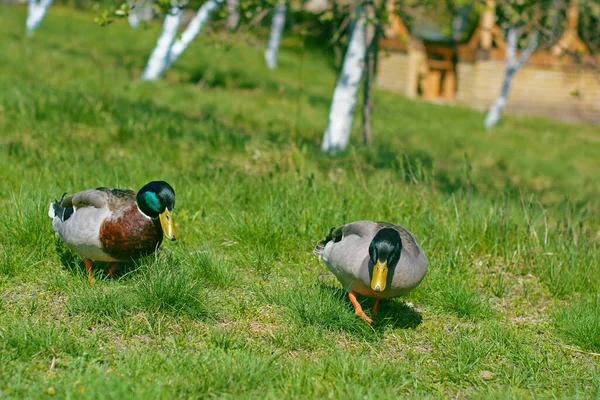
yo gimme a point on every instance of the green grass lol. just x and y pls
(239, 306)
(580, 323)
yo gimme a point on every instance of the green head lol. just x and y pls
(384, 251)
(157, 200)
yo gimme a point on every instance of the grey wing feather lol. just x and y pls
(359, 228)
(334, 234)
(118, 198)
(101, 197)
(86, 198)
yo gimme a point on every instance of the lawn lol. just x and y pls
(239, 306)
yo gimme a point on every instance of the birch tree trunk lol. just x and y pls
(35, 13)
(337, 134)
(159, 58)
(275, 35)
(370, 60)
(192, 30)
(233, 14)
(512, 67)
(134, 13)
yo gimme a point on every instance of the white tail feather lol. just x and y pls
(51, 213)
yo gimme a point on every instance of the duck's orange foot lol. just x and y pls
(375, 308)
(364, 317)
(357, 308)
(110, 270)
(88, 267)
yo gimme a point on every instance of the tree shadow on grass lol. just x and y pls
(130, 59)
(213, 77)
(240, 79)
(415, 167)
(412, 167)
(135, 119)
(449, 177)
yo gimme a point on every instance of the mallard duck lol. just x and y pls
(114, 225)
(375, 259)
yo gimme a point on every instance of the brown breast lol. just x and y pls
(130, 235)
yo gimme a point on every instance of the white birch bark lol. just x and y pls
(233, 14)
(134, 13)
(512, 67)
(371, 35)
(192, 30)
(35, 13)
(341, 114)
(159, 58)
(275, 35)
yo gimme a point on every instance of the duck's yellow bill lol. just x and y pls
(380, 271)
(166, 221)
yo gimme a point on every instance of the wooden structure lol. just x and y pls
(425, 69)
(552, 82)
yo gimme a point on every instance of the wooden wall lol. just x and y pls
(569, 92)
(565, 91)
(393, 71)
(400, 69)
